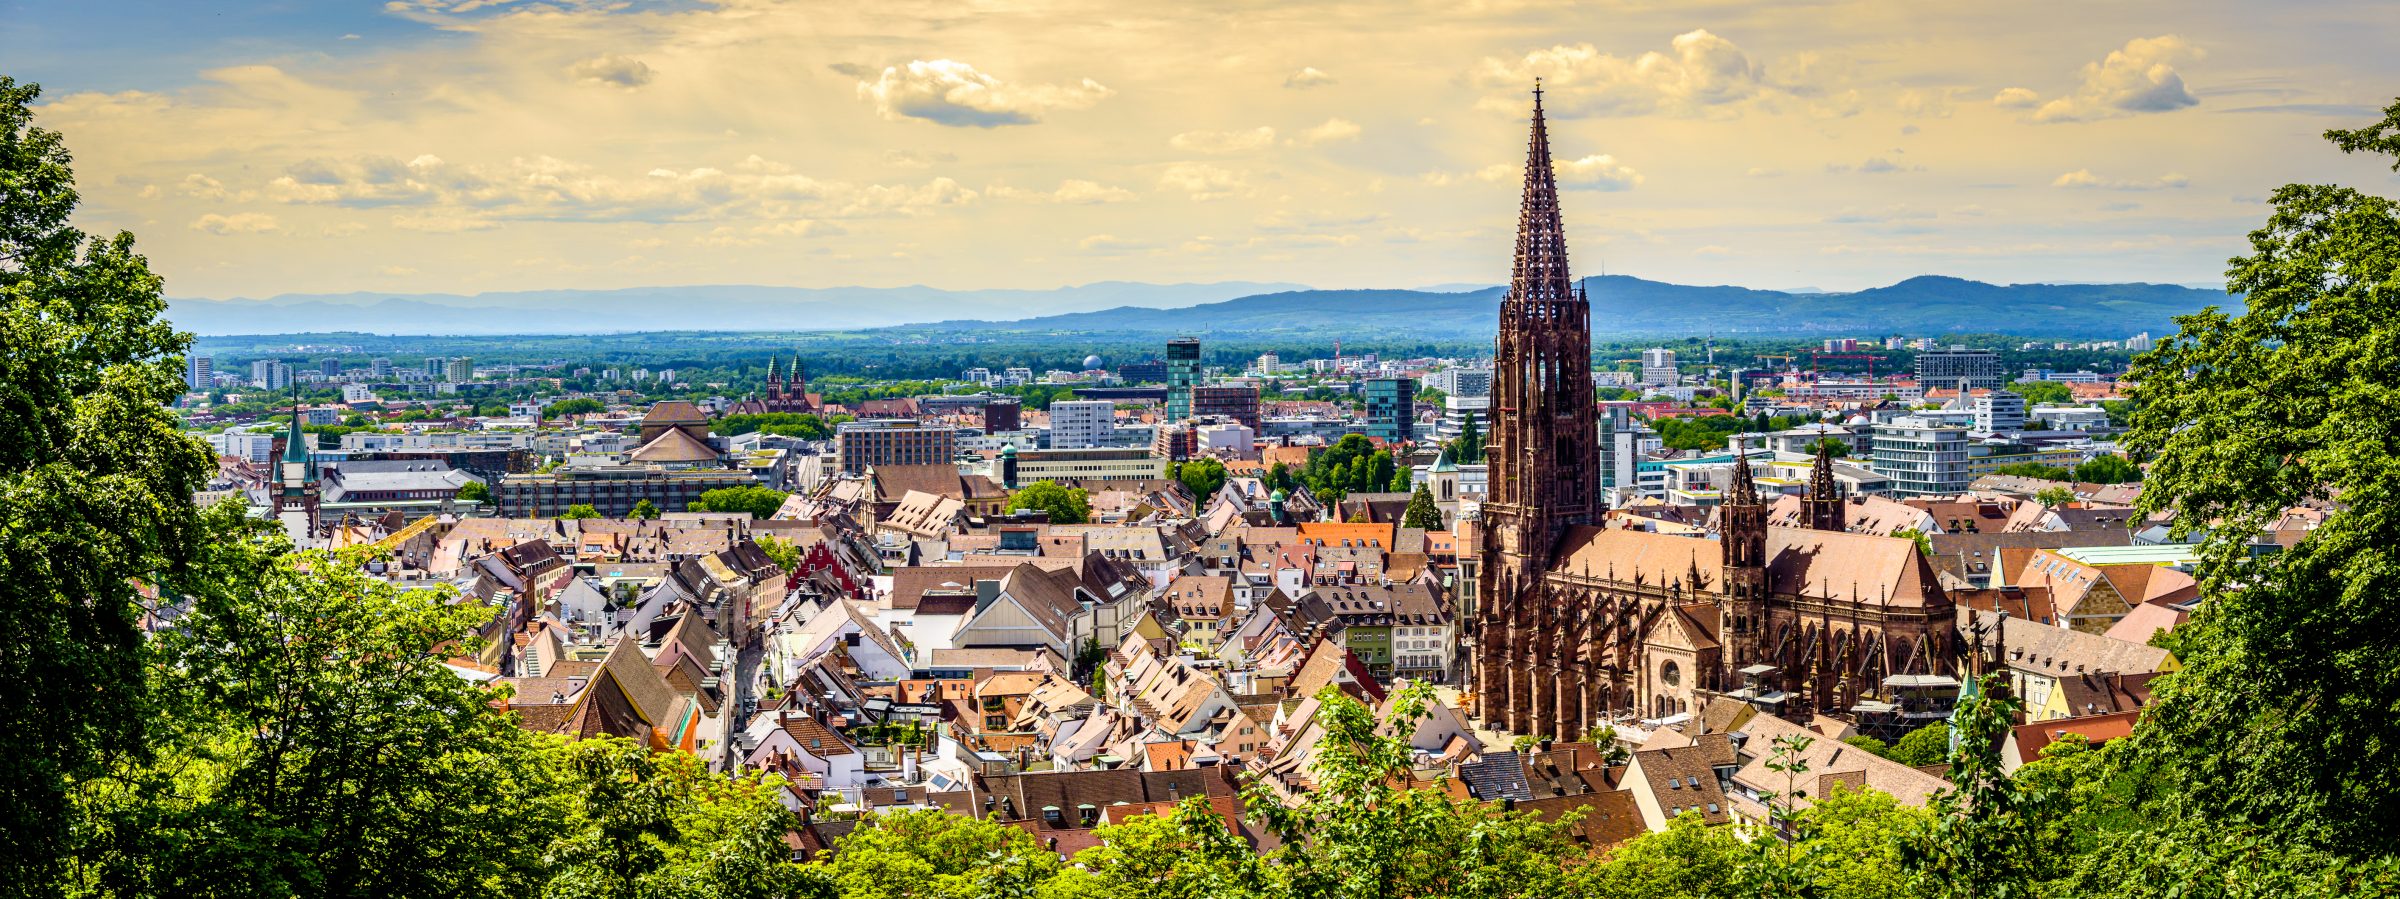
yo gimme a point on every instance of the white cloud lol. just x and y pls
(1077, 190)
(949, 92)
(2085, 180)
(620, 71)
(1110, 243)
(1924, 103)
(547, 189)
(1224, 141)
(2016, 98)
(442, 224)
(1335, 129)
(1307, 77)
(1601, 172)
(1701, 71)
(237, 223)
(2137, 79)
(1201, 180)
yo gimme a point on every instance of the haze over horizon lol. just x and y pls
(470, 146)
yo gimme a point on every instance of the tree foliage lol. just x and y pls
(580, 511)
(1467, 447)
(1422, 512)
(582, 405)
(98, 484)
(756, 500)
(1066, 505)
(1203, 476)
(644, 509)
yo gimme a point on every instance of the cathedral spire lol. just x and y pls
(1743, 491)
(1825, 511)
(1541, 273)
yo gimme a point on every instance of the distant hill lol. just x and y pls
(702, 307)
(1633, 306)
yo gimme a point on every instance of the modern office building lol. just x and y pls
(199, 373)
(1624, 441)
(1003, 415)
(1392, 409)
(380, 369)
(269, 374)
(1946, 368)
(1183, 374)
(2000, 411)
(1921, 456)
(1465, 392)
(1658, 368)
(611, 489)
(1108, 463)
(1235, 401)
(433, 366)
(459, 370)
(1082, 424)
(329, 367)
(887, 442)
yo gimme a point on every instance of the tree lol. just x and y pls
(1982, 843)
(926, 854)
(582, 405)
(580, 511)
(1066, 505)
(1834, 447)
(1856, 839)
(1688, 860)
(2273, 729)
(758, 501)
(785, 555)
(1467, 447)
(1928, 745)
(1203, 476)
(2109, 469)
(2054, 497)
(315, 742)
(1924, 542)
(661, 825)
(1422, 513)
(98, 481)
(2043, 393)
(2035, 470)
(645, 509)
(474, 492)
(1869, 744)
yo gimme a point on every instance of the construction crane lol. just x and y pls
(1815, 358)
(1789, 362)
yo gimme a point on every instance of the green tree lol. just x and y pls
(2054, 497)
(1981, 844)
(1869, 744)
(661, 825)
(1856, 840)
(1467, 447)
(2035, 470)
(1924, 542)
(2044, 393)
(2275, 731)
(758, 501)
(313, 741)
(1422, 513)
(1928, 745)
(98, 483)
(926, 854)
(645, 509)
(786, 556)
(1831, 446)
(580, 511)
(582, 405)
(1688, 860)
(2109, 469)
(1066, 505)
(1203, 476)
(474, 492)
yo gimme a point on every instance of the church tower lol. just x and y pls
(1823, 508)
(1543, 456)
(1742, 537)
(296, 484)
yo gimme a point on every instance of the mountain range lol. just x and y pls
(1621, 305)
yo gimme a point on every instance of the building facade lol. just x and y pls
(1921, 456)
(1235, 401)
(1183, 374)
(1946, 368)
(1392, 409)
(1082, 424)
(858, 444)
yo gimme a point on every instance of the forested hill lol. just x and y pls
(1626, 305)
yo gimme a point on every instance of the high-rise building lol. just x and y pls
(459, 370)
(1921, 456)
(1081, 424)
(1183, 374)
(1945, 368)
(330, 367)
(892, 441)
(1658, 368)
(380, 369)
(199, 373)
(434, 366)
(2000, 411)
(1235, 401)
(1269, 364)
(269, 374)
(1003, 415)
(1466, 393)
(1392, 409)
(1147, 372)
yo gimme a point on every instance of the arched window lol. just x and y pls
(1669, 674)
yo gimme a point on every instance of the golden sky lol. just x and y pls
(473, 145)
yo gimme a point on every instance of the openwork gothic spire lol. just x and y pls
(1541, 274)
(1744, 491)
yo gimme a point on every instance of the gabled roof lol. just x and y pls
(675, 445)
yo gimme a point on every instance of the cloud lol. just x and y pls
(1597, 173)
(1110, 243)
(1924, 103)
(2016, 98)
(1307, 77)
(237, 223)
(1333, 131)
(621, 71)
(441, 224)
(800, 228)
(543, 188)
(949, 92)
(2137, 79)
(1701, 71)
(1874, 165)
(2083, 179)
(1072, 191)
(1201, 181)
(1877, 165)
(1224, 141)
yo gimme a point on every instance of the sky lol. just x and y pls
(258, 148)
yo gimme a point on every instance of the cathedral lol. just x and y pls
(1579, 624)
(780, 395)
